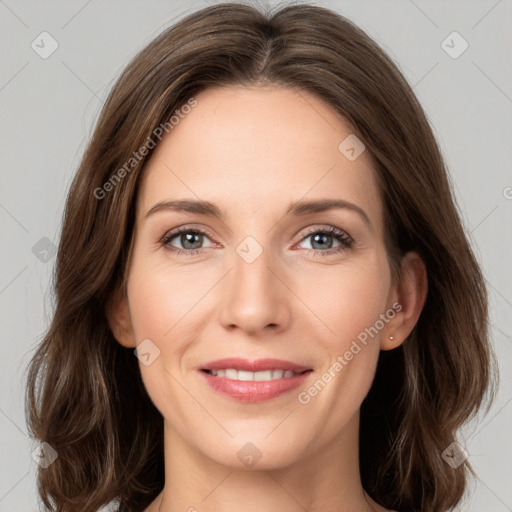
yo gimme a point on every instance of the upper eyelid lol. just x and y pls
(176, 231)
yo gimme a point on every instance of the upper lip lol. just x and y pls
(254, 365)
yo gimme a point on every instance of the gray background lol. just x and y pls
(48, 108)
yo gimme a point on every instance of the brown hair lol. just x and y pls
(85, 396)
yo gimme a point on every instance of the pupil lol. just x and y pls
(188, 238)
(319, 235)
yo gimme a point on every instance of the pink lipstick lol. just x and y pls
(253, 381)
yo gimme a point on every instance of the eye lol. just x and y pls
(191, 241)
(322, 240)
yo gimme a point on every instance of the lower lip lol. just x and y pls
(254, 391)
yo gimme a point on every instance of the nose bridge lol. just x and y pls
(251, 265)
(254, 295)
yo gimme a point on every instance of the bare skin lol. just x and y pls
(252, 152)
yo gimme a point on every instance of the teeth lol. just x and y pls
(229, 374)
(232, 373)
(266, 375)
(243, 375)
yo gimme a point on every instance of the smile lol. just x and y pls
(253, 381)
(246, 376)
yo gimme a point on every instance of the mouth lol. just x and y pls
(254, 381)
(261, 376)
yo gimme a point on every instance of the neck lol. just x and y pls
(325, 478)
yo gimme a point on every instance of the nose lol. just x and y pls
(256, 296)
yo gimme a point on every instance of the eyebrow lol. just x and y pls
(297, 208)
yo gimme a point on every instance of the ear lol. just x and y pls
(119, 319)
(410, 293)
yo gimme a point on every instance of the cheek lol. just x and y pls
(167, 305)
(346, 306)
(161, 308)
(164, 299)
(345, 301)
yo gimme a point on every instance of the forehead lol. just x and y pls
(248, 148)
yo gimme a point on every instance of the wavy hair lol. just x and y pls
(85, 396)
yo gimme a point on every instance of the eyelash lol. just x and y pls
(341, 236)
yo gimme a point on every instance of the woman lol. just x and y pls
(325, 335)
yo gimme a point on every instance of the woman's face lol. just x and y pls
(311, 287)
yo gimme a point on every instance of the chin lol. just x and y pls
(253, 453)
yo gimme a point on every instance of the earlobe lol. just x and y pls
(119, 320)
(410, 293)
